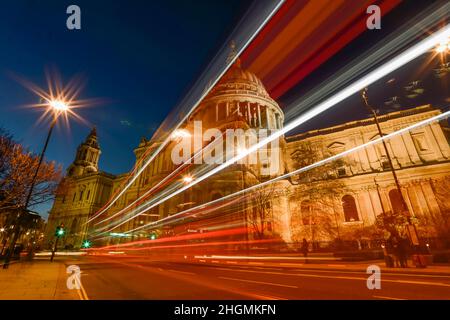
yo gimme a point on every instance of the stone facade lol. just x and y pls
(83, 191)
(367, 188)
(362, 187)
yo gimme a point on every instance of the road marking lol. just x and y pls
(416, 275)
(260, 282)
(353, 271)
(232, 262)
(422, 282)
(81, 292)
(266, 297)
(256, 263)
(214, 261)
(388, 298)
(358, 271)
(336, 265)
(185, 272)
(340, 277)
(266, 258)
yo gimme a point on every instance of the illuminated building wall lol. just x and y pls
(328, 202)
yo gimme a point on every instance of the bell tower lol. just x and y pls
(86, 159)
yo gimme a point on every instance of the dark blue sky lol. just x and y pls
(141, 56)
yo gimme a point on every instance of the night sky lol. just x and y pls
(140, 57)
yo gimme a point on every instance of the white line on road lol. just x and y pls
(260, 282)
(81, 292)
(266, 297)
(388, 298)
(440, 284)
(265, 258)
(357, 271)
(185, 272)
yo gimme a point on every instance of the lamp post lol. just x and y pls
(57, 107)
(444, 67)
(411, 227)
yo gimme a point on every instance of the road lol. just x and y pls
(138, 278)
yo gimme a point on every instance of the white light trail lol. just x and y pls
(300, 170)
(400, 60)
(213, 83)
(155, 187)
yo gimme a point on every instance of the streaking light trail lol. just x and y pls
(205, 93)
(300, 170)
(400, 60)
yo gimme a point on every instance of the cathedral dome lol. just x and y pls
(237, 81)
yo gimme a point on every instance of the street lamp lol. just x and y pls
(444, 46)
(188, 179)
(56, 107)
(412, 229)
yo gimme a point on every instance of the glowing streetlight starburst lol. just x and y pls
(58, 105)
(444, 46)
(58, 101)
(188, 179)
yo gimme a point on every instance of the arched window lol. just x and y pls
(396, 201)
(306, 211)
(350, 210)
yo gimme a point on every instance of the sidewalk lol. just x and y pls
(35, 280)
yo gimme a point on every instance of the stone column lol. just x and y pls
(362, 154)
(434, 143)
(401, 152)
(217, 112)
(259, 124)
(430, 198)
(268, 117)
(409, 144)
(441, 139)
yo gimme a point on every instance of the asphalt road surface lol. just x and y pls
(140, 278)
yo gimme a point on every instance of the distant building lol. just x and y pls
(352, 191)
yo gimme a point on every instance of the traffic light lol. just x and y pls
(60, 231)
(86, 244)
(153, 236)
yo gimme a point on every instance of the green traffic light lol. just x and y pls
(61, 232)
(152, 236)
(86, 244)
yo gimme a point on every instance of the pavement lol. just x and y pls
(141, 278)
(36, 280)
